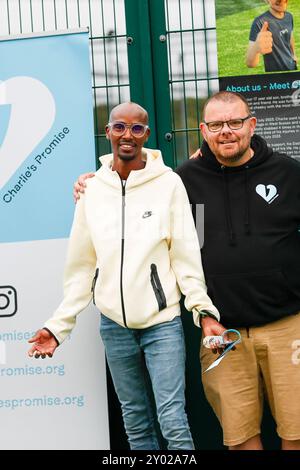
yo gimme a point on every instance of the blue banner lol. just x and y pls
(46, 133)
(46, 141)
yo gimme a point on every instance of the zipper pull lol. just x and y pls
(95, 280)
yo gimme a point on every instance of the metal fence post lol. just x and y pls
(140, 60)
(159, 40)
(148, 69)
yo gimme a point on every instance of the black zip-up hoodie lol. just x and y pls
(251, 251)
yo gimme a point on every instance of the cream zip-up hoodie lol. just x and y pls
(133, 247)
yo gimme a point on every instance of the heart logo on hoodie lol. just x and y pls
(268, 193)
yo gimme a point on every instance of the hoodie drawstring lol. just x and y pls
(232, 235)
(247, 204)
(227, 207)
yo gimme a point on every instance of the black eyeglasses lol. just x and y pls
(233, 124)
(136, 129)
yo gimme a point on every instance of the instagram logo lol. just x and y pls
(8, 301)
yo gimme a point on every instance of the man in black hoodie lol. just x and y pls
(251, 260)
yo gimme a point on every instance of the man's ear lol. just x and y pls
(148, 132)
(107, 132)
(253, 122)
(203, 129)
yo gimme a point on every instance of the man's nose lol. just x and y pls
(225, 129)
(127, 133)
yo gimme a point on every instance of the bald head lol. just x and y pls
(128, 131)
(129, 109)
(230, 143)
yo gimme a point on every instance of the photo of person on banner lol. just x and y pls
(257, 37)
(271, 36)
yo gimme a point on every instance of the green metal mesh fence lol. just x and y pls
(106, 22)
(191, 44)
(192, 55)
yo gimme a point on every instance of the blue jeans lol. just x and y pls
(160, 351)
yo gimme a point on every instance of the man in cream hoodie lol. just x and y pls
(133, 250)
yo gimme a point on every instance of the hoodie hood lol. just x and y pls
(154, 168)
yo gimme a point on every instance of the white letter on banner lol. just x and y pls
(32, 115)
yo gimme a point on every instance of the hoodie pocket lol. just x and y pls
(94, 284)
(250, 298)
(157, 288)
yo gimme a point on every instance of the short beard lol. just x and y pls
(234, 158)
(126, 158)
